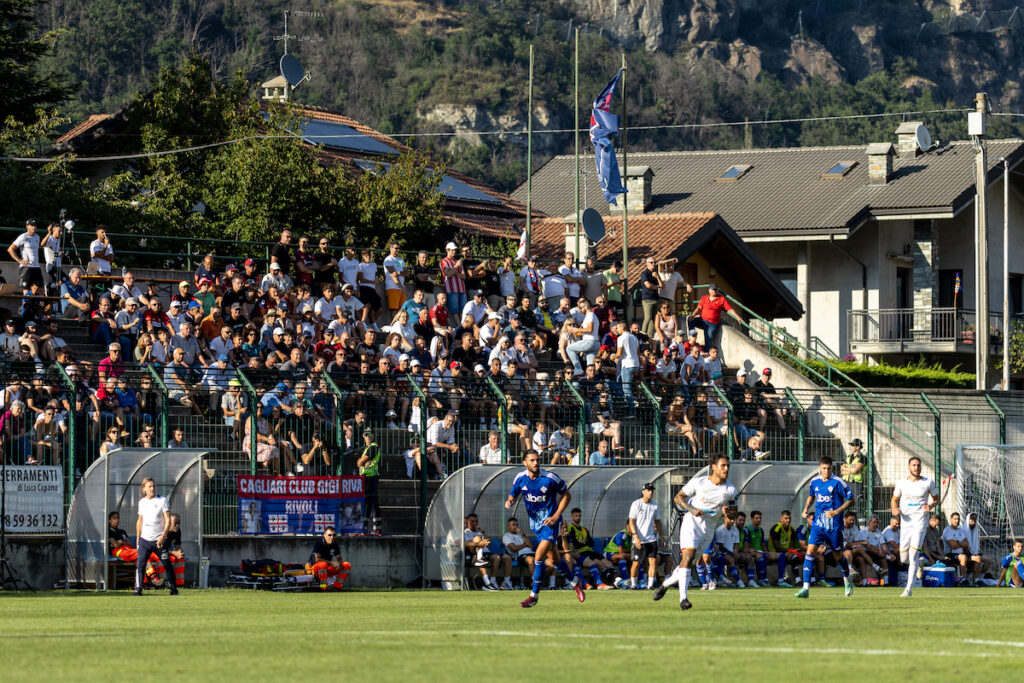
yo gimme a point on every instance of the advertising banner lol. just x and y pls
(35, 500)
(300, 505)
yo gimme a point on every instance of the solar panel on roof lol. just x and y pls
(340, 136)
(456, 189)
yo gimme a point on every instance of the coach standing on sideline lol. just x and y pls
(645, 526)
(151, 531)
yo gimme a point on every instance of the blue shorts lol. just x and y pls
(609, 556)
(548, 533)
(833, 538)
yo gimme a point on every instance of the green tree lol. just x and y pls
(26, 89)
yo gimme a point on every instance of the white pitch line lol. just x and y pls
(441, 633)
(1000, 643)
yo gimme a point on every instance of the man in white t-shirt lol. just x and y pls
(553, 285)
(912, 501)
(101, 252)
(519, 547)
(561, 445)
(712, 364)
(394, 280)
(572, 276)
(490, 452)
(349, 267)
(589, 337)
(670, 278)
(151, 531)
(25, 251)
(645, 527)
(476, 307)
(441, 435)
(956, 545)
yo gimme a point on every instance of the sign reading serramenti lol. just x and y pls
(35, 500)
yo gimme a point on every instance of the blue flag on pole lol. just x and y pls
(603, 124)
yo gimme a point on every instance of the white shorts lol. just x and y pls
(912, 535)
(695, 532)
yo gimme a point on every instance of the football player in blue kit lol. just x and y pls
(545, 496)
(831, 497)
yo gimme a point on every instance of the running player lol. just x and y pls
(706, 500)
(912, 500)
(831, 497)
(546, 496)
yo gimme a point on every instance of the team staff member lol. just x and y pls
(174, 551)
(325, 561)
(852, 471)
(369, 467)
(151, 529)
(645, 527)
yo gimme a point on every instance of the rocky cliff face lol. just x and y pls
(958, 49)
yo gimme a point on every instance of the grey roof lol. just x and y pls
(784, 191)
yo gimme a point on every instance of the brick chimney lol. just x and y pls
(879, 163)
(638, 182)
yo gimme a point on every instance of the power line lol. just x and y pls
(556, 131)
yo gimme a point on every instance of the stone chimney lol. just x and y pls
(638, 182)
(879, 162)
(275, 89)
(907, 141)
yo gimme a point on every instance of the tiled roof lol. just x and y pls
(680, 236)
(657, 235)
(83, 127)
(784, 190)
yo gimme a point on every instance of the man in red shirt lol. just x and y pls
(707, 315)
(439, 316)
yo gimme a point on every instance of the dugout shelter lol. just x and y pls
(604, 494)
(114, 483)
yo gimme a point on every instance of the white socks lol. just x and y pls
(672, 578)
(684, 583)
(911, 568)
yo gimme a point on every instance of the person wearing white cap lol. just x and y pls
(476, 307)
(277, 277)
(129, 321)
(454, 278)
(175, 316)
(491, 332)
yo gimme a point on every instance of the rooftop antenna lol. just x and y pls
(291, 68)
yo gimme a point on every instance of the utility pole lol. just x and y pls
(529, 159)
(976, 129)
(576, 138)
(1006, 274)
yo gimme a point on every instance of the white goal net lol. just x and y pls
(990, 482)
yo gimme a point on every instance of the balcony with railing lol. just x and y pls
(920, 330)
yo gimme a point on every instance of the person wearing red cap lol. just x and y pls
(708, 314)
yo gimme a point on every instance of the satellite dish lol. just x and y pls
(924, 138)
(593, 225)
(291, 69)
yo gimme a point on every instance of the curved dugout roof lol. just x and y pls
(770, 487)
(113, 483)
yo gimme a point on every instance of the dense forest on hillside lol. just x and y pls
(452, 68)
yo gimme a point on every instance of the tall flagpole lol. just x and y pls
(625, 202)
(529, 157)
(576, 130)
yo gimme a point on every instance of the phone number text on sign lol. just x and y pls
(35, 499)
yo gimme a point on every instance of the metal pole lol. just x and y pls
(576, 138)
(981, 250)
(529, 157)
(627, 299)
(1006, 274)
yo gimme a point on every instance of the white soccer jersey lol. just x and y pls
(702, 493)
(913, 495)
(727, 537)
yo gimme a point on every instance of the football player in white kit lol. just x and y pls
(912, 500)
(706, 500)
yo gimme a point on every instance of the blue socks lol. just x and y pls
(623, 570)
(702, 574)
(844, 566)
(563, 568)
(808, 569)
(783, 558)
(734, 573)
(538, 577)
(595, 575)
(761, 562)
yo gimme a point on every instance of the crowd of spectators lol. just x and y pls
(460, 327)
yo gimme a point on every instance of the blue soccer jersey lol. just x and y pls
(540, 495)
(829, 495)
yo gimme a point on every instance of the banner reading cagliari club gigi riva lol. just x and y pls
(300, 505)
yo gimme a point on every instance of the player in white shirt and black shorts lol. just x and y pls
(151, 531)
(645, 526)
(912, 500)
(706, 500)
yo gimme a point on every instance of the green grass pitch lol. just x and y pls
(750, 635)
